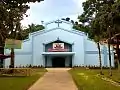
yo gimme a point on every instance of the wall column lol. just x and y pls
(67, 61)
(72, 55)
(43, 57)
(49, 61)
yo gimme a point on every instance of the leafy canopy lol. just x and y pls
(102, 18)
(32, 28)
(11, 13)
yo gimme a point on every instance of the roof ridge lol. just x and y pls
(68, 22)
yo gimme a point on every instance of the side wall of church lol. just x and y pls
(92, 57)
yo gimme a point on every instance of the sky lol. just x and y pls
(49, 10)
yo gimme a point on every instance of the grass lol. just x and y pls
(88, 80)
(115, 76)
(20, 83)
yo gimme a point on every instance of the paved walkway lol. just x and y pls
(55, 79)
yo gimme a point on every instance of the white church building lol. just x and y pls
(59, 45)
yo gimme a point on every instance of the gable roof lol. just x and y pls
(67, 22)
(45, 31)
(74, 31)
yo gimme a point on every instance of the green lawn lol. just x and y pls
(20, 83)
(115, 76)
(88, 80)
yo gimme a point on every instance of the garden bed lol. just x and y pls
(15, 71)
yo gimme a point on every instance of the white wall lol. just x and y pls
(93, 59)
(91, 56)
(20, 60)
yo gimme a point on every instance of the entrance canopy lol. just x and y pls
(58, 53)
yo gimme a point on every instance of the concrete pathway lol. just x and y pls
(55, 79)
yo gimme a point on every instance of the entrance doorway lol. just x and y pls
(58, 62)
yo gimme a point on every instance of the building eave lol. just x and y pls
(58, 53)
(67, 22)
(45, 31)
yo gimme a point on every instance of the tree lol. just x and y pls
(90, 9)
(108, 20)
(11, 13)
(24, 34)
(93, 36)
(104, 13)
(34, 28)
(90, 16)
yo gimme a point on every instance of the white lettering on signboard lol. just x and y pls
(58, 45)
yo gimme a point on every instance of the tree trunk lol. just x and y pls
(12, 58)
(1, 60)
(100, 61)
(1, 52)
(109, 56)
(118, 55)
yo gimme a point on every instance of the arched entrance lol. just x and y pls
(58, 62)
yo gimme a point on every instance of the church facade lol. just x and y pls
(59, 45)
